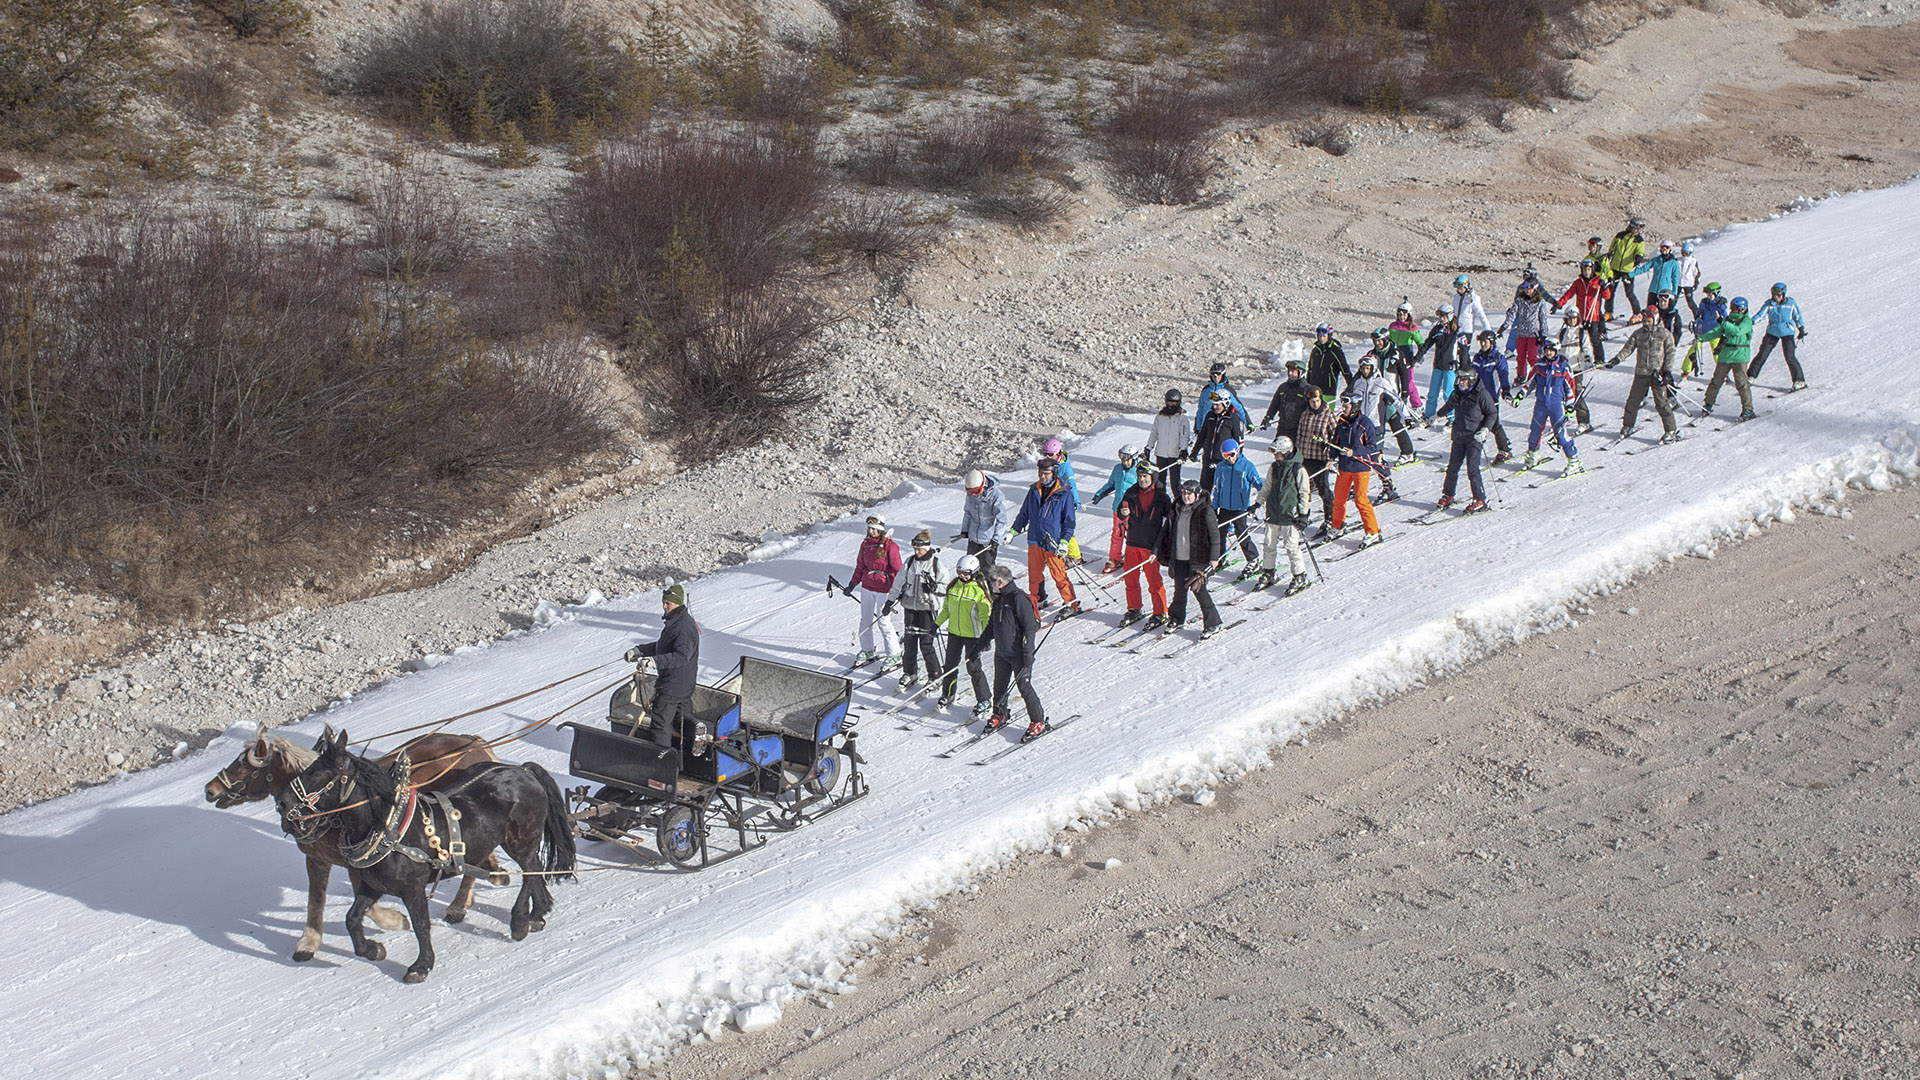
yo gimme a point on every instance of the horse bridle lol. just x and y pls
(296, 820)
(230, 787)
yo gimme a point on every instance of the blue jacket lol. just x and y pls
(1782, 317)
(1066, 477)
(1234, 483)
(1359, 441)
(1118, 484)
(1492, 366)
(1047, 517)
(1206, 405)
(1666, 274)
(1712, 310)
(1549, 386)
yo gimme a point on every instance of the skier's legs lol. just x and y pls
(950, 665)
(1633, 302)
(976, 671)
(1002, 676)
(1500, 442)
(1663, 404)
(1635, 395)
(873, 624)
(1343, 486)
(1057, 569)
(1686, 293)
(1560, 432)
(1526, 351)
(1117, 539)
(1596, 336)
(1274, 531)
(1455, 457)
(1439, 387)
(1474, 482)
(1192, 579)
(1296, 550)
(1787, 349)
(1760, 358)
(1036, 581)
(1398, 426)
(1182, 574)
(1023, 678)
(1580, 414)
(1743, 383)
(1720, 373)
(1367, 519)
(1540, 415)
(1323, 486)
(1169, 469)
(920, 624)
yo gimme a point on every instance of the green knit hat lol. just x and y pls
(674, 594)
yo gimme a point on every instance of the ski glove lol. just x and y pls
(887, 608)
(1803, 333)
(847, 591)
(634, 655)
(1011, 533)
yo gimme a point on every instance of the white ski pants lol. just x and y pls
(871, 620)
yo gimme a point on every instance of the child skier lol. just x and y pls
(1732, 338)
(1490, 365)
(1551, 383)
(1528, 318)
(1118, 482)
(964, 611)
(1781, 316)
(1589, 293)
(1404, 334)
(1440, 340)
(1171, 439)
(1236, 484)
(1712, 308)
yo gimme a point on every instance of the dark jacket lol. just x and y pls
(1203, 537)
(1327, 365)
(676, 654)
(1147, 515)
(1472, 410)
(1440, 340)
(1012, 625)
(1219, 427)
(1288, 403)
(1359, 443)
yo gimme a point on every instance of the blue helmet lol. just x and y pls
(1231, 446)
(1739, 303)
(1462, 281)
(1779, 286)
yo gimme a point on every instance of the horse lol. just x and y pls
(267, 764)
(390, 834)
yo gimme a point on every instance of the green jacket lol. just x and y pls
(1735, 335)
(965, 610)
(1625, 253)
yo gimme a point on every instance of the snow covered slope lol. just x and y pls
(148, 934)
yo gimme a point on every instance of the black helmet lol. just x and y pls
(1550, 346)
(1467, 375)
(1218, 369)
(1587, 264)
(1189, 487)
(1488, 335)
(1173, 397)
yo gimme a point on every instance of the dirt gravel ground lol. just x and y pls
(1677, 839)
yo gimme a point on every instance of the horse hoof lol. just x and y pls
(374, 951)
(537, 924)
(417, 975)
(455, 915)
(520, 933)
(500, 878)
(302, 955)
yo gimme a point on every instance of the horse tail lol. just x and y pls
(559, 831)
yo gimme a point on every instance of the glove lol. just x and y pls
(1186, 455)
(1480, 436)
(1011, 533)
(634, 655)
(1097, 498)
(887, 608)
(1666, 379)
(1803, 333)
(847, 591)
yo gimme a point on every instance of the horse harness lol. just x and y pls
(448, 857)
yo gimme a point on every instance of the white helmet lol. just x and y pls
(1282, 446)
(875, 521)
(975, 479)
(969, 564)
(1686, 247)
(1406, 307)
(1128, 450)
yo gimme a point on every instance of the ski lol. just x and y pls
(1623, 438)
(1109, 633)
(1566, 476)
(1185, 645)
(1443, 517)
(1144, 640)
(1051, 728)
(1524, 469)
(969, 743)
(1355, 551)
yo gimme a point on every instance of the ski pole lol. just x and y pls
(1311, 557)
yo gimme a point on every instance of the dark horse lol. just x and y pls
(401, 845)
(269, 764)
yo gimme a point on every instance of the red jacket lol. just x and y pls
(1592, 293)
(877, 563)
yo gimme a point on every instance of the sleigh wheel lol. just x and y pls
(825, 775)
(678, 836)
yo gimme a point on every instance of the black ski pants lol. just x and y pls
(1786, 342)
(1169, 472)
(1006, 670)
(1595, 335)
(970, 648)
(919, 643)
(985, 553)
(1466, 450)
(1240, 522)
(1187, 577)
(1392, 420)
(1322, 474)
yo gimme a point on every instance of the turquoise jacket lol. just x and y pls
(1118, 484)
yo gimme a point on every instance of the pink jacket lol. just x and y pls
(878, 562)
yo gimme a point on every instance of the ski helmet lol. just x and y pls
(1647, 314)
(1487, 335)
(1780, 287)
(1129, 451)
(1549, 346)
(1350, 399)
(1467, 376)
(1282, 446)
(1713, 288)
(1293, 364)
(1218, 369)
(1636, 222)
(875, 521)
(1051, 448)
(1365, 364)
(1379, 333)
(1405, 307)
(1666, 245)
(969, 564)
(976, 481)
(1462, 281)
(1739, 303)
(1189, 487)
(1173, 397)
(1443, 311)
(1594, 240)
(1323, 328)
(1221, 397)
(1231, 446)
(1587, 264)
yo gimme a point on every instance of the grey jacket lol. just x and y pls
(917, 585)
(1171, 435)
(984, 516)
(1651, 348)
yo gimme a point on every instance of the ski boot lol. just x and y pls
(1371, 539)
(1474, 507)
(946, 701)
(1132, 616)
(1298, 584)
(1108, 567)
(908, 682)
(1706, 409)
(1670, 437)
(1532, 459)
(865, 657)
(1748, 414)
(1583, 429)
(1265, 582)
(1035, 730)
(1626, 431)
(1503, 457)
(994, 723)
(981, 711)
(1574, 466)
(1246, 572)
(1212, 631)
(1068, 612)
(1798, 384)
(889, 663)
(1444, 502)
(1154, 623)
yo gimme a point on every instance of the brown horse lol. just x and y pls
(269, 764)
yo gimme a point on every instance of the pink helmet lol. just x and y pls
(1051, 448)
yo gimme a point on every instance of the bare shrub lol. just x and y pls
(205, 91)
(884, 234)
(881, 161)
(415, 226)
(736, 376)
(1027, 204)
(979, 150)
(66, 66)
(249, 17)
(1156, 140)
(477, 64)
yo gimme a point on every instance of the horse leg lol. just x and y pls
(497, 874)
(383, 916)
(317, 873)
(462, 900)
(416, 899)
(363, 898)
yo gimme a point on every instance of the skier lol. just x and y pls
(1781, 316)
(1171, 439)
(1190, 549)
(873, 570)
(1528, 317)
(676, 655)
(1380, 402)
(1666, 308)
(1218, 381)
(1236, 484)
(1014, 626)
(1288, 505)
(1404, 333)
(1623, 256)
(1663, 271)
(1117, 484)
(1327, 363)
(1589, 293)
(1146, 507)
(1222, 425)
(1358, 441)
(983, 515)
(1475, 413)
(964, 612)
(1713, 308)
(1490, 365)
(1468, 315)
(916, 588)
(1047, 517)
(1732, 338)
(1289, 401)
(1551, 383)
(1689, 277)
(1440, 337)
(1052, 448)
(1314, 438)
(1652, 347)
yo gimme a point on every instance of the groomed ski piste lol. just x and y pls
(148, 934)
